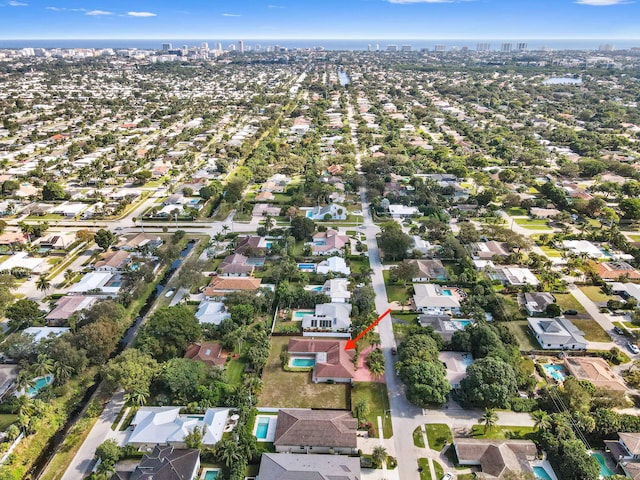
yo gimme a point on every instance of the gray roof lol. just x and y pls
(321, 428)
(557, 331)
(495, 457)
(289, 466)
(164, 463)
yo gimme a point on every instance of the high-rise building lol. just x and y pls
(405, 48)
(219, 46)
(167, 46)
(204, 46)
(257, 47)
(506, 47)
(606, 48)
(439, 48)
(232, 47)
(377, 47)
(523, 46)
(240, 46)
(392, 48)
(369, 48)
(483, 47)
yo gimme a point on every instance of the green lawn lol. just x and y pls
(596, 294)
(593, 332)
(295, 389)
(7, 419)
(234, 369)
(418, 438)
(500, 432)
(517, 212)
(425, 472)
(634, 238)
(551, 252)
(438, 469)
(377, 397)
(438, 435)
(566, 301)
(396, 293)
(520, 330)
(533, 224)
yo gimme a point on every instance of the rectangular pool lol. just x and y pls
(299, 314)
(446, 293)
(262, 428)
(211, 475)
(541, 473)
(307, 266)
(303, 362)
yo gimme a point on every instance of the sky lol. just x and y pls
(319, 19)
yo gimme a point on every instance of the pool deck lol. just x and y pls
(546, 465)
(271, 429)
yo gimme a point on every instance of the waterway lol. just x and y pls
(343, 78)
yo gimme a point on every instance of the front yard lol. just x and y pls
(295, 389)
(520, 330)
(593, 332)
(566, 301)
(596, 294)
(378, 401)
(500, 433)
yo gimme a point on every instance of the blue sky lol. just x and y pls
(318, 19)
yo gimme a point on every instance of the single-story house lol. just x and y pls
(615, 270)
(626, 290)
(328, 243)
(443, 325)
(98, 283)
(212, 312)
(515, 276)
(333, 265)
(487, 250)
(333, 211)
(337, 289)
(536, 303)
(67, 306)
(113, 261)
(400, 211)
(68, 209)
(235, 265)
(40, 333)
(430, 298)
(282, 466)
(456, 364)
(23, 260)
(596, 370)
(252, 245)
(496, 457)
(332, 361)
(578, 247)
(13, 238)
(329, 320)
(166, 426)
(316, 431)
(262, 209)
(220, 286)
(264, 197)
(163, 463)
(429, 270)
(141, 241)
(557, 334)
(56, 242)
(421, 245)
(209, 353)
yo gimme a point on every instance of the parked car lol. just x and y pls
(394, 350)
(570, 312)
(447, 476)
(633, 347)
(619, 331)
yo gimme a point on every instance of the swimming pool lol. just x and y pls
(541, 472)
(309, 214)
(299, 314)
(605, 471)
(39, 384)
(460, 324)
(211, 475)
(307, 266)
(555, 371)
(303, 362)
(446, 293)
(262, 428)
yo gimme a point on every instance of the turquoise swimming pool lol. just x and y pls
(262, 428)
(299, 315)
(541, 472)
(211, 475)
(39, 384)
(446, 292)
(555, 371)
(461, 324)
(605, 471)
(303, 362)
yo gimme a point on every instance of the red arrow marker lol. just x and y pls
(351, 344)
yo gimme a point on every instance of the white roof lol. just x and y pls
(40, 333)
(212, 312)
(91, 281)
(631, 288)
(333, 264)
(430, 295)
(518, 276)
(338, 312)
(337, 288)
(23, 260)
(402, 210)
(583, 246)
(165, 425)
(67, 208)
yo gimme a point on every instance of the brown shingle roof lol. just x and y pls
(228, 284)
(595, 370)
(209, 353)
(631, 441)
(321, 428)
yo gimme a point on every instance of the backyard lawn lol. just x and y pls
(596, 294)
(550, 252)
(7, 419)
(520, 330)
(295, 389)
(566, 301)
(396, 293)
(438, 435)
(234, 369)
(593, 332)
(377, 398)
(517, 212)
(533, 224)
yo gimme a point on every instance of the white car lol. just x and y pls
(633, 347)
(447, 476)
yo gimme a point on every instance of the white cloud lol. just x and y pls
(601, 3)
(98, 12)
(141, 14)
(56, 9)
(231, 15)
(14, 3)
(275, 6)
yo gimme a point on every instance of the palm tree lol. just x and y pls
(68, 275)
(377, 369)
(137, 397)
(43, 365)
(269, 223)
(489, 419)
(43, 284)
(542, 420)
(361, 409)
(62, 372)
(379, 455)
(227, 452)
(24, 382)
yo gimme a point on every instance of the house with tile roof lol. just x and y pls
(209, 353)
(615, 270)
(625, 453)
(496, 457)
(235, 265)
(328, 243)
(220, 286)
(282, 466)
(67, 306)
(316, 431)
(595, 370)
(332, 361)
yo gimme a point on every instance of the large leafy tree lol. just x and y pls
(490, 383)
(104, 238)
(182, 377)
(169, 331)
(132, 370)
(302, 227)
(24, 313)
(394, 242)
(52, 191)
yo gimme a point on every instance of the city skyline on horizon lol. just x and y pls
(322, 20)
